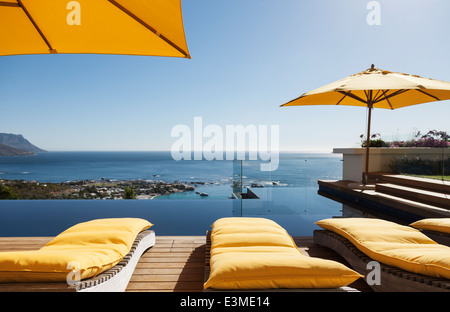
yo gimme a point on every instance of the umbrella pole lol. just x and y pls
(366, 172)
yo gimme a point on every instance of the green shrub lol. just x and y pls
(7, 193)
(128, 193)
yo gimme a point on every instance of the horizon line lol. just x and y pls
(193, 151)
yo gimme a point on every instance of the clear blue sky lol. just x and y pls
(248, 58)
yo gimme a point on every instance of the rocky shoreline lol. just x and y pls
(90, 189)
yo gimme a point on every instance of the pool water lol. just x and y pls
(296, 209)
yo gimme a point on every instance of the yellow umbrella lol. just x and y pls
(376, 88)
(132, 27)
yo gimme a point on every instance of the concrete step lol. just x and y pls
(415, 182)
(379, 204)
(411, 193)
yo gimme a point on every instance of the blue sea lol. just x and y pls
(287, 195)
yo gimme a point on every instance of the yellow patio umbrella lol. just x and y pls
(132, 27)
(376, 88)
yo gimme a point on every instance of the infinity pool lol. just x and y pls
(296, 209)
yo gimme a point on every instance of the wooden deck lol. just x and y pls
(175, 263)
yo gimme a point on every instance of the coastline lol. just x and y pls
(90, 189)
(153, 175)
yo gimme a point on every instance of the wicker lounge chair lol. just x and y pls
(114, 279)
(392, 279)
(256, 254)
(438, 229)
(439, 237)
(208, 271)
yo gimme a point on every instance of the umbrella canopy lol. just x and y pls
(376, 88)
(132, 27)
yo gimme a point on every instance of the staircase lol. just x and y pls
(429, 192)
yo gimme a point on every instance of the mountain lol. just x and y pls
(6, 150)
(17, 141)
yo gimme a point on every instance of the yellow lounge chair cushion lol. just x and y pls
(257, 253)
(433, 224)
(393, 244)
(89, 248)
(240, 232)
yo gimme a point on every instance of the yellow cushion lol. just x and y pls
(228, 232)
(91, 247)
(393, 244)
(433, 224)
(257, 253)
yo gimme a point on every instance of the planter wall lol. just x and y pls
(382, 159)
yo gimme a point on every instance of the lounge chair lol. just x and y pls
(438, 229)
(256, 254)
(94, 256)
(408, 260)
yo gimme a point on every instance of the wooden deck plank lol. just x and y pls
(168, 271)
(167, 265)
(174, 264)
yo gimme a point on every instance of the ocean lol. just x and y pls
(287, 195)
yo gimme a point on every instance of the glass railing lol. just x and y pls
(432, 163)
(238, 179)
(289, 194)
